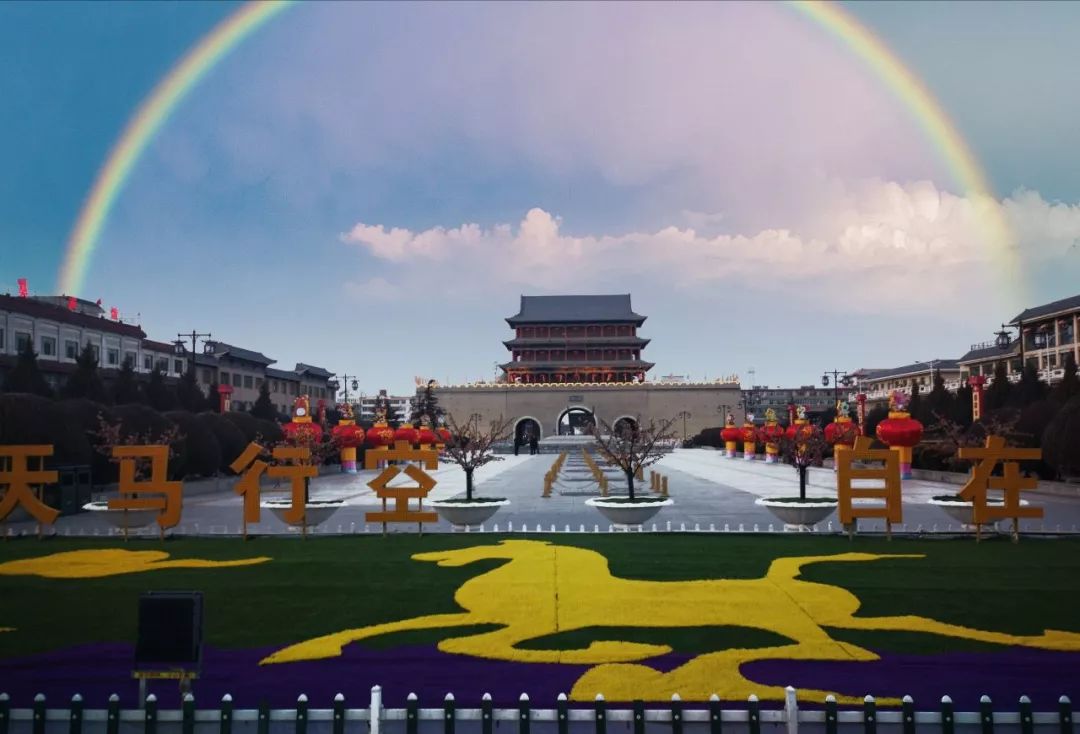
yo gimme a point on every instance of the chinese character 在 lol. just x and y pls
(889, 491)
(296, 467)
(164, 496)
(428, 458)
(19, 480)
(1010, 483)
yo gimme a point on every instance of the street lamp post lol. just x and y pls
(181, 347)
(838, 378)
(345, 379)
(684, 415)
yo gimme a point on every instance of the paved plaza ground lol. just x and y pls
(710, 492)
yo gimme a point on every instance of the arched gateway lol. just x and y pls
(527, 426)
(574, 421)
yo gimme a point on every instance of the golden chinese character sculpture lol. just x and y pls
(155, 493)
(889, 492)
(19, 479)
(295, 466)
(984, 510)
(402, 451)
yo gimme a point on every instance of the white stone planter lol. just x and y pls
(961, 511)
(316, 512)
(802, 514)
(123, 519)
(628, 513)
(467, 514)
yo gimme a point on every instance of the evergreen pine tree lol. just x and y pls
(213, 400)
(85, 382)
(426, 404)
(1069, 387)
(997, 395)
(915, 407)
(939, 401)
(960, 410)
(26, 376)
(263, 407)
(158, 394)
(1030, 389)
(126, 388)
(188, 393)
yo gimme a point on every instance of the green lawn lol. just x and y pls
(327, 584)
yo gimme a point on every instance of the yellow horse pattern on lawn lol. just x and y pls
(545, 589)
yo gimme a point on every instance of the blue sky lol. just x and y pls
(370, 186)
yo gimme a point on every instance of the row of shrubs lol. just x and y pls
(208, 441)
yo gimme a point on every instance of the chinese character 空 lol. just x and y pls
(401, 495)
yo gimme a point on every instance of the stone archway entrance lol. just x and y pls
(574, 421)
(526, 427)
(625, 422)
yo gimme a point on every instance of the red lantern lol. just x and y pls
(426, 436)
(842, 432)
(406, 433)
(380, 435)
(900, 432)
(302, 434)
(348, 435)
(731, 435)
(444, 435)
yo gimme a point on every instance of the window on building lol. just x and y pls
(224, 378)
(1014, 365)
(1052, 360)
(236, 379)
(96, 351)
(129, 358)
(258, 383)
(207, 376)
(148, 362)
(1065, 331)
(273, 385)
(161, 364)
(48, 346)
(178, 366)
(294, 389)
(248, 381)
(22, 341)
(112, 357)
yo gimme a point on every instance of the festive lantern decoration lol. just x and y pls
(425, 436)
(301, 431)
(860, 411)
(444, 437)
(800, 428)
(842, 432)
(749, 437)
(771, 433)
(406, 433)
(380, 436)
(978, 395)
(900, 432)
(730, 435)
(349, 437)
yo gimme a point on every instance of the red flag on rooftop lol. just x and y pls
(71, 303)
(24, 288)
(114, 313)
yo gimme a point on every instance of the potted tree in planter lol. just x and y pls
(471, 446)
(631, 447)
(802, 446)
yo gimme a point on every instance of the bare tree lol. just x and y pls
(632, 447)
(805, 449)
(471, 445)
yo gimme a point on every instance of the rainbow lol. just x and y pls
(148, 119)
(934, 122)
(211, 49)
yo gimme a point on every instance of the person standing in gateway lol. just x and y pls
(534, 443)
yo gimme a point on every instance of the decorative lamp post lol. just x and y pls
(900, 432)
(978, 385)
(842, 432)
(749, 437)
(349, 437)
(730, 435)
(771, 433)
(860, 411)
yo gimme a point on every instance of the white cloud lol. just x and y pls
(883, 245)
